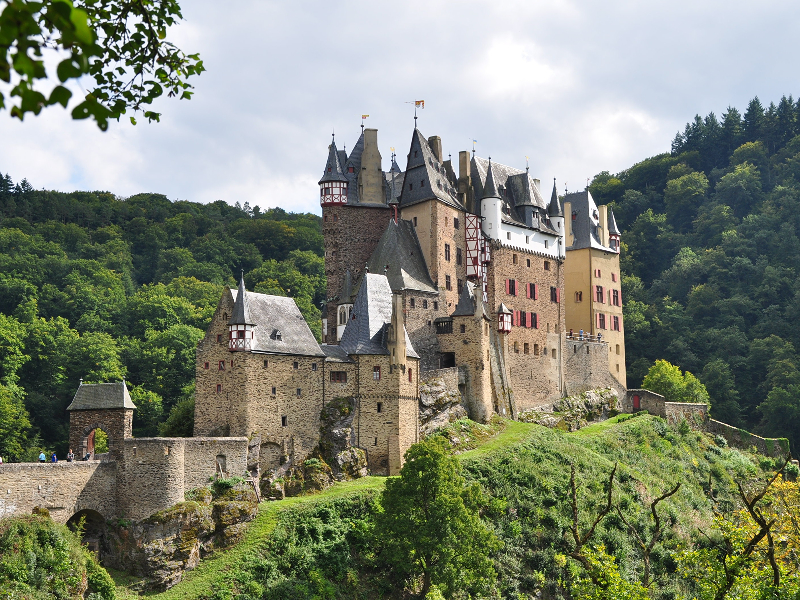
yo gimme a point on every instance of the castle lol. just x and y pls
(473, 278)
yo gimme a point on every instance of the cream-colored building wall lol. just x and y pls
(578, 278)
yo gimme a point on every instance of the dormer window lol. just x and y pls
(351, 169)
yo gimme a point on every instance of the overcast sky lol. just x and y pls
(579, 87)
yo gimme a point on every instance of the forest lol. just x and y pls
(98, 287)
(94, 287)
(710, 259)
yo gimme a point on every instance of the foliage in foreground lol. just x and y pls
(41, 560)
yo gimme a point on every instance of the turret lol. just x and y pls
(333, 185)
(345, 305)
(240, 325)
(556, 215)
(491, 206)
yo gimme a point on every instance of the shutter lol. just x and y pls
(528, 291)
(516, 287)
(536, 320)
(507, 286)
(535, 291)
(597, 320)
(558, 294)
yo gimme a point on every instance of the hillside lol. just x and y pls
(710, 257)
(323, 546)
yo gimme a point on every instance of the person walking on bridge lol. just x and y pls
(42, 457)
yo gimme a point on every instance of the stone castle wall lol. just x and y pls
(738, 438)
(62, 488)
(586, 368)
(116, 423)
(202, 454)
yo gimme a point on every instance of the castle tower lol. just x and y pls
(240, 325)
(556, 215)
(353, 195)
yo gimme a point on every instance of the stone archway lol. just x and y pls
(93, 531)
(88, 442)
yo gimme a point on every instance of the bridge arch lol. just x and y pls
(92, 527)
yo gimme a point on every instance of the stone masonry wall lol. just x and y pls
(351, 234)
(535, 377)
(116, 423)
(151, 476)
(693, 413)
(62, 488)
(420, 325)
(649, 401)
(200, 459)
(586, 368)
(739, 438)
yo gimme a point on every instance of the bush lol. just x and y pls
(222, 485)
(792, 470)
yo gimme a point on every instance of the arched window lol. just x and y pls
(343, 315)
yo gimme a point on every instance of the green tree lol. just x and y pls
(667, 379)
(682, 198)
(14, 423)
(740, 189)
(781, 412)
(120, 46)
(430, 526)
(149, 412)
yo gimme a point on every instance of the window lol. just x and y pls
(376, 373)
(455, 223)
(459, 258)
(601, 320)
(205, 365)
(435, 305)
(536, 349)
(410, 186)
(222, 365)
(555, 294)
(533, 291)
(411, 303)
(529, 263)
(380, 406)
(547, 265)
(597, 273)
(459, 285)
(274, 390)
(325, 218)
(351, 169)
(284, 420)
(511, 287)
(528, 240)
(615, 327)
(422, 183)
(338, 376)
(447, 284)
(553, 353)
(266, 364)
(508, 235)
(514, 258)
(446, 219)
(415, 154)
(415, 221)
(463, 328)
(615, 297)
(313, 366)
(526, 348)
(617, 321)
(578, 296)
(295, 365)
(613, 277)
(447, 252)
(424, 304)
(335, 219)
(598, 294)
(410, 373)
(534, 320)
(219, 338)
(376, 442)
(574, 216)
(516, 347)
(299, 392)
(219, 388)
(546, 243)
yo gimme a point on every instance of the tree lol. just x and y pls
(430, 526)
(682, 197)
(121, 45)
(666, 379)
(14, 423)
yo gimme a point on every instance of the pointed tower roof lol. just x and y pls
(612, 223)
(333, 168)
(425, 177)
(241, 309)
(489, 188)
(399, 248)
(554, 209)
(347, 289)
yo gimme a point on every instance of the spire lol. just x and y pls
(241, 313)
(333, 168)
(612, 223)
(554, 209)
(489, 188)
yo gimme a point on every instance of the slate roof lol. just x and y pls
(335, 354)
(466, 301)
(366, 332)
(427, 175)
(396, 185)
(279, 326)
(241, 312)
(554, 209)
(347, 288)
(586, 222)
(333, 167)
(525, 206)
(489, 188)
(399, 249)
(612, 223)
(98, 396)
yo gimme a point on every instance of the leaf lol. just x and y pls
(80, 20)
(60, 95)
(67, 69)
(133, 121)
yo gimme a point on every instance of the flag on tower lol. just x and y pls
(419, 103)
(364, 116)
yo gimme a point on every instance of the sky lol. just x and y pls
(578, 87)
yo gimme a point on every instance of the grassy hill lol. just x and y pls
(321, 546)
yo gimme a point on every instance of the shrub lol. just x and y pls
(222, 485)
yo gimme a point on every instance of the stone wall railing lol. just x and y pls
(739, 438)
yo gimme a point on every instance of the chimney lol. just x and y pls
(370, 179)
(435, 142)
(398, 344)
(465, 180)
(603, 210)
(569, 234)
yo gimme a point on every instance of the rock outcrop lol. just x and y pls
(573, 412)
(439, 405)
